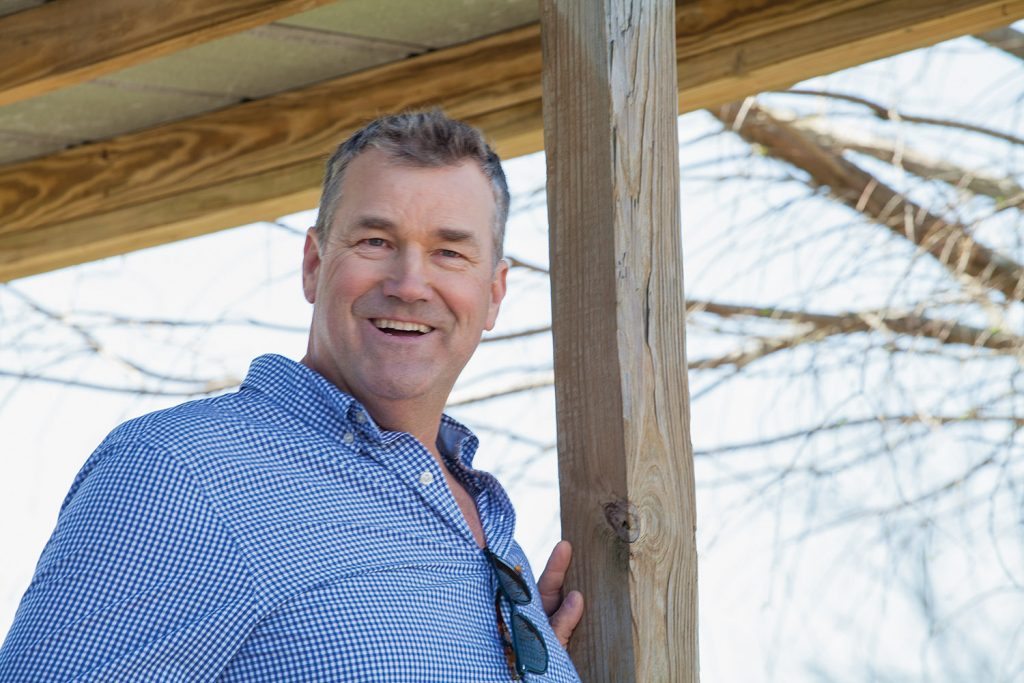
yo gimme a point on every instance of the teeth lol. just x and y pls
(383, 323)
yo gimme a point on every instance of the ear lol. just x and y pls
(498, 289)
(310, 265)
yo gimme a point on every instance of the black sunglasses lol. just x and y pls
(525, 650)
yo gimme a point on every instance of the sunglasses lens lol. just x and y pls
(512, 584)
(531, 652)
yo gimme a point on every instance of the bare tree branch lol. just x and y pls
(102, 318)
(204, 389)
(527, 385)
(1006, 191)
(932, 421)
(517, 335)
(1007, 39)
(97, 347)
(949, 243)
(514, 262)
(892, 114)
(827, 324)
(945, 331)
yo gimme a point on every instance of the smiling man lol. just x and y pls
(324, 522)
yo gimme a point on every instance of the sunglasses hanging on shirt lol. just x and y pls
(522, 641)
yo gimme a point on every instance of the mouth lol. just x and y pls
(400, 328)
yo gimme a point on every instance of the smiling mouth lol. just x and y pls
(399, 328)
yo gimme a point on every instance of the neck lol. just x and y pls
(421, 421)
(419, 416)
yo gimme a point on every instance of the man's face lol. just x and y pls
(406, 282)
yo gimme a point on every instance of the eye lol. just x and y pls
(374, 242)
(448, 253)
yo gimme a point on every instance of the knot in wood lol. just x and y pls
(624, 519)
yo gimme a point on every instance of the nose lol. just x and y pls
(408, 279)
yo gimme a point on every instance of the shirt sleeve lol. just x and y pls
(139, 581)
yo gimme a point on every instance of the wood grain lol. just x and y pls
(217, 206)
(625, 459)
(746, 46)
(258, 136)
(65, 42)
(725, 50)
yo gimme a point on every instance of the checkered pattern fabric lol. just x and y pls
(272, 534)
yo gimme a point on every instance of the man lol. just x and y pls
(324, 522)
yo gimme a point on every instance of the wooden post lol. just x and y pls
(625, 459)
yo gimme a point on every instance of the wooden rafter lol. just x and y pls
(262, 159)
(65, 42)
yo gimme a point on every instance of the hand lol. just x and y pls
(563, 615)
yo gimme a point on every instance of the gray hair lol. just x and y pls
(425, 139)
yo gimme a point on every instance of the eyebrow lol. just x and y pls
(455, 235)
(375, 222)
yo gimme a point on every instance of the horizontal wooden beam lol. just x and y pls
(64, 42)
(728, 50)
(202, 174)
(262, 196)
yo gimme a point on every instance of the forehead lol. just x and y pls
(375, 177)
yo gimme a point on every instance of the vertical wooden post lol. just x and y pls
(625, 459)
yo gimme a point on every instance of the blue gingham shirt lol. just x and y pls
(272, 534)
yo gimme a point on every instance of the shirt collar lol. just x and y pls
(456, 442)
(305, 394)
(312, 398)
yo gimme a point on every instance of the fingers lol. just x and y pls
(567, 617)
(553, 576)
(564, 615)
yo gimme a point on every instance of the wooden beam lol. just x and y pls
(65, 42)
(738, 48)
(625, 460)
(200, 175)
(725, 49)
(217, 206)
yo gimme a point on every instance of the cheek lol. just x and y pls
(345, 283)
(472, 301)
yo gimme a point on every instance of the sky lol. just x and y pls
(770, 606)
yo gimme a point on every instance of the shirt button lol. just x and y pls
(360, 418)
(348, 438)
(426, 478)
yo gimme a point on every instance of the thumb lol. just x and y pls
(567, 617)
